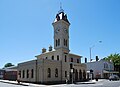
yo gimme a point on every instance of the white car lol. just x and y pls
(114, 77)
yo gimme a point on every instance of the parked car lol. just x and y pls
(114, 77)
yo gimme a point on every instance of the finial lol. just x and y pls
(61, 10)
(60, 5)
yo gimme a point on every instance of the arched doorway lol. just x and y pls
(76, 75)
(80, 75)
(84, 75)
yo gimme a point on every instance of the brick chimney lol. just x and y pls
(85, 60)
(97, 58)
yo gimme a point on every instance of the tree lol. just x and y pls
(115, 58)
(8, 65)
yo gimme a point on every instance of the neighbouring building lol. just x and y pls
(56, 65)
(9, 73)
(101, 68)
(2, 73)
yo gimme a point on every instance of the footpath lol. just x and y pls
(91, 81)
(41, 85)
(22, 83)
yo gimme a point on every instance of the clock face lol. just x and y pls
(57, 30)
(66, 30)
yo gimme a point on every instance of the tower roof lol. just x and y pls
(61, 16)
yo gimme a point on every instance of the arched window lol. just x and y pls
(77, 60)
(57, 57)
(66, 42)
(76, 75)
(65, 73)
(52, 57)
(71, 59)
(32, 73)
(19, 74)
(84, 74)
(49, 72)
(27, 73)
(80, 75)
(23, 74)
(56, 43)
(56, 72)
(65, 58)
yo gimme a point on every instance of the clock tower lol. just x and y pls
(61, 31)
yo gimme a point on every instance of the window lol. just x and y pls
(1, 73)
(105, 65)
(52, 57)
(56, 72)
(65, 73)
(65, 58)
(32, 73)
(58, 42)
(84, 74)
(66, 42)
(71, 59)
(19, 74)
(49, 72)
(57, 57)
(80, 74)
(27, 73)
(77, 60)
(23, 74)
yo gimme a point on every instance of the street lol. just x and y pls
(102, 83)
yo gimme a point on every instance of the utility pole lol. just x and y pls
(91, 49)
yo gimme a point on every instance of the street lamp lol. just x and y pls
(91, 49)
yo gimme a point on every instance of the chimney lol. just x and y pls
(85, 60)
(50, 48)
(97, 58)
(43, 50)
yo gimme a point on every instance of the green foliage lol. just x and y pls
(8, 65)
(115, 58)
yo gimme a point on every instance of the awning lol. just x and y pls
(109, 71)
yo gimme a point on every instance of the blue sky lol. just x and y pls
(26, 27)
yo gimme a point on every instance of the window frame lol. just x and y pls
(27, 73)
(32, 73)
(49, 73)
(65, 73)
(78, 60)
(71, 59)
(56, 72)
(65, 58)
(52, 57)
(58, 57)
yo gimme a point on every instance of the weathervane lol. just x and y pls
(61, 10)
(60, 5)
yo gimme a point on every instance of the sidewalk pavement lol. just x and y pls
(41, 85)
(22, 83)
(90, 82)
